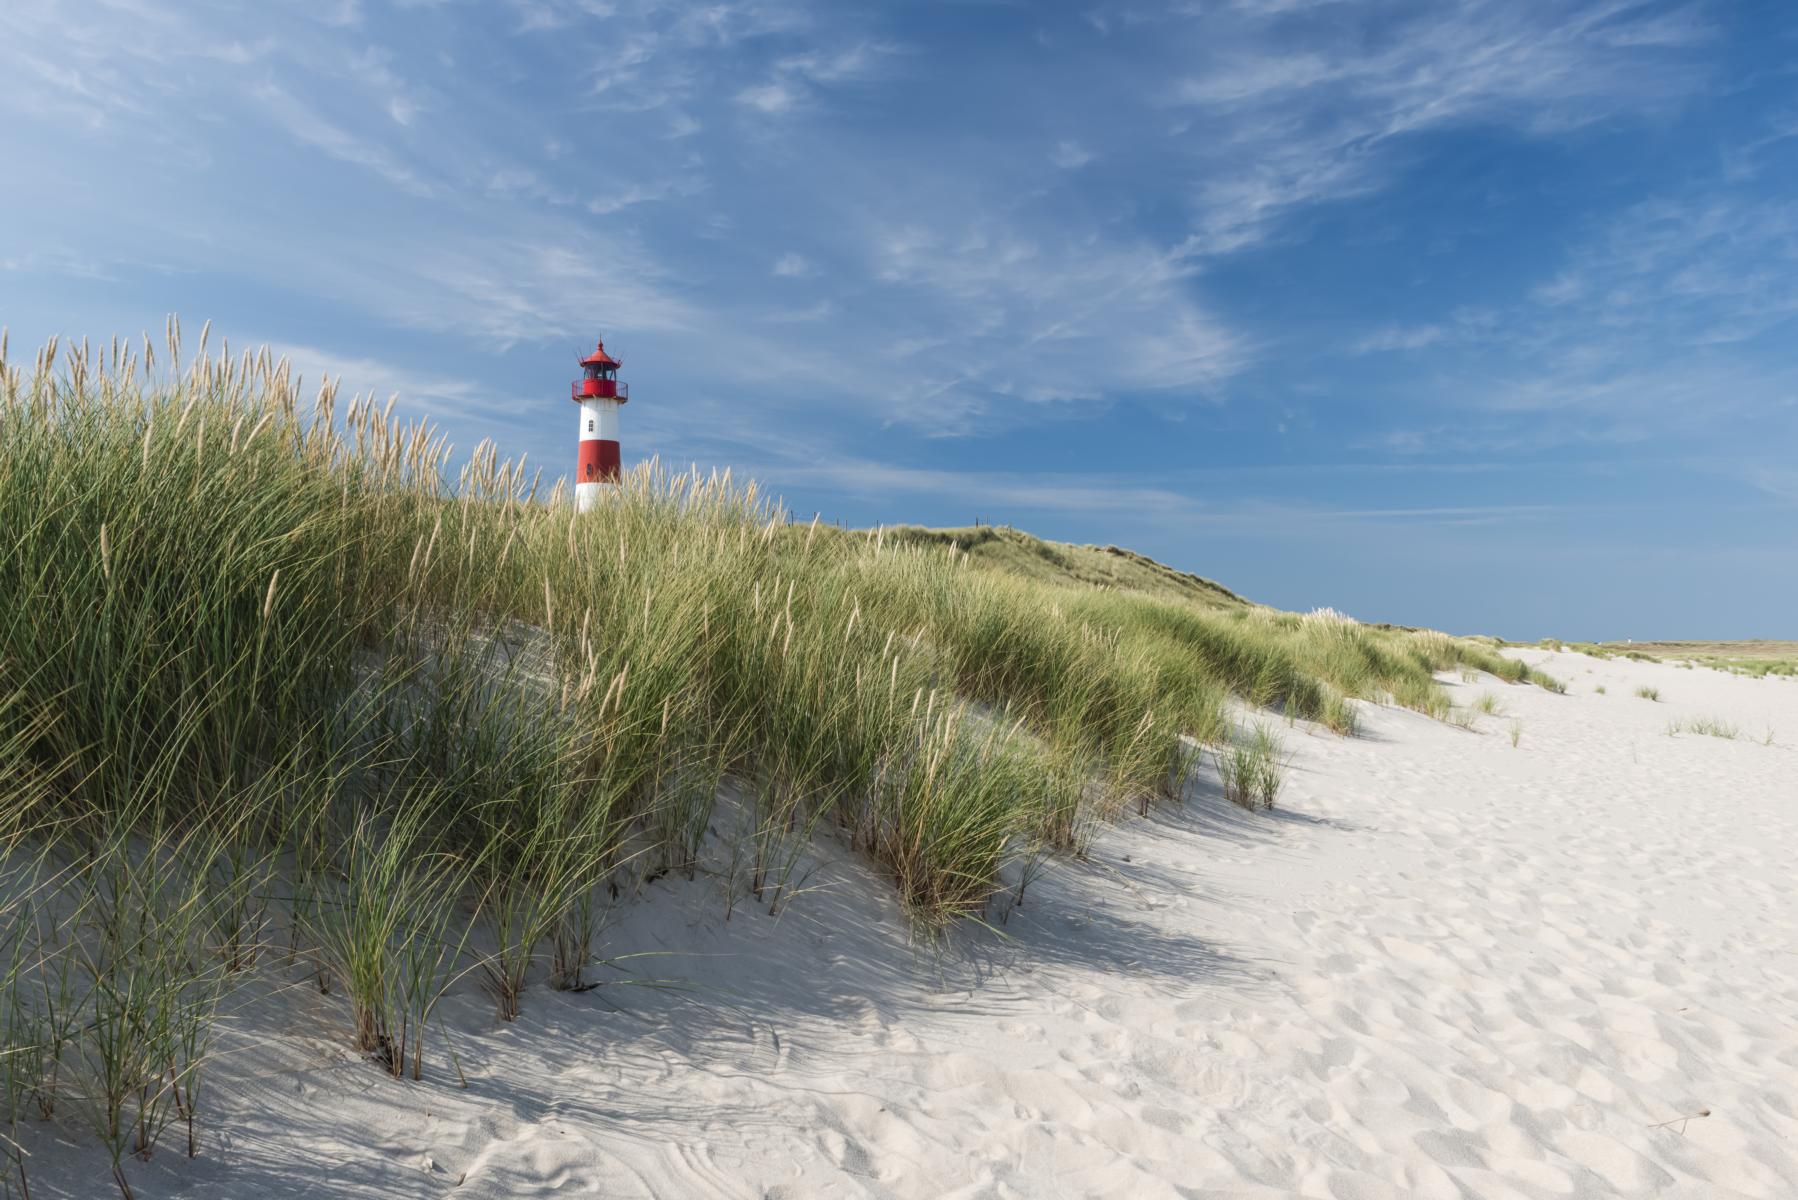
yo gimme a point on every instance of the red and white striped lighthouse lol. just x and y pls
(599, 394)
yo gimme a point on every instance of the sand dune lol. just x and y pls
(1446, 967)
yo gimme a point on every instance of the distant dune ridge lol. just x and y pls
(371, 833)
(1019, 553)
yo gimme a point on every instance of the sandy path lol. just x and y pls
(1448, 967)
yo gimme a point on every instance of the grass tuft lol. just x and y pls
(1253, 768)
(1707, 726)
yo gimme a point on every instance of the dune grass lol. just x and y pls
(277, 695)
(1758, 668)
(1253, 768)
(1707, 726)
(1649, 693)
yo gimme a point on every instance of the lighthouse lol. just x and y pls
(599, 394)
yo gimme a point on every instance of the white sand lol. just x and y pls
(1446, 968)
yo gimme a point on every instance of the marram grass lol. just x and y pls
(276, 695)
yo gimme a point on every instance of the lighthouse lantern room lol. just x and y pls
(599, 394)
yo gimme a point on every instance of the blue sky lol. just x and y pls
(1472, 313)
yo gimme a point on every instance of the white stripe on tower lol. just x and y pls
(599, 459)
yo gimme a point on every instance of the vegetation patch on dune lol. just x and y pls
(1000, 547)
(1753, 657)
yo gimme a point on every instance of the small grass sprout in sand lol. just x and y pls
(1707, 726)
(1490, 704)
(1648, 693)
(1516, 733)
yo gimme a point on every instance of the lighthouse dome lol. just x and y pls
(599, 357)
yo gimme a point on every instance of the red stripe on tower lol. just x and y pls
(598, 461)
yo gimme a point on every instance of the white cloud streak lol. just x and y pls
(1294, 113)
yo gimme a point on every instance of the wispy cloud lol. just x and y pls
(307, 126)
(1097, 495)
(792, 265)
(1414, 337)
(1704, 268)
(441, 398)
(774, 97)
(1780, 481)
(1046, 321)
(1671, 317)
(58, 261)
(1294, 113)
(796, 79)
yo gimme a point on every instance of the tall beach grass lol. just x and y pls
(281, 694)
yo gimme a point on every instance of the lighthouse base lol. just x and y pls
(598, 464)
